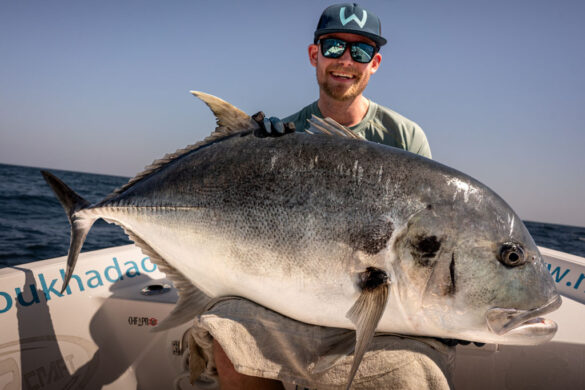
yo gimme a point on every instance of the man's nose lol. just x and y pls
(346, 57)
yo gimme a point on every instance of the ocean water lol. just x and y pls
(33, 225)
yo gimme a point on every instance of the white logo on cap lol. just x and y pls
(345, 20)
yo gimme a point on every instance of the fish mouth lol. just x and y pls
(524, 322)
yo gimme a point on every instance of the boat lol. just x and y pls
(99, 332)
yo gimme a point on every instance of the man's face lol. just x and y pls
(343, 78)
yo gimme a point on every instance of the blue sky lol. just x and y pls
(498, 86)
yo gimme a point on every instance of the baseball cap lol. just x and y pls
(350, 18)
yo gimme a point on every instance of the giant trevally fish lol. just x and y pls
(330, 230)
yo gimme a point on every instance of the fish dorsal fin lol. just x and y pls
(230, 120)
(329, 126)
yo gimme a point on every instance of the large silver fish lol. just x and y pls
(333, 231)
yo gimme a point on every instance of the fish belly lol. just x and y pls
(313, 285)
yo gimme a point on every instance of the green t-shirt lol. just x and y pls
(380, 125)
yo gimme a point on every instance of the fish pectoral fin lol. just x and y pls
(367, 311)
(191, 302)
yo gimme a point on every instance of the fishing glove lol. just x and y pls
(272, 127)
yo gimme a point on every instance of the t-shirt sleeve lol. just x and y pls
(418, 143)
(401, 132)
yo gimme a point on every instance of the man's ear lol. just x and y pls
(375, 63)
(313, 53)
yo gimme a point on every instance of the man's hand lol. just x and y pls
(273, 126)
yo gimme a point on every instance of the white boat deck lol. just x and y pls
(98, 333)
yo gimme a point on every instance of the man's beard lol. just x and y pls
(342, 92)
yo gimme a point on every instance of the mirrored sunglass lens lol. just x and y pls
(332, 48)
(362, 52)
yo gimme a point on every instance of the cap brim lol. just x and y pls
(376, 38)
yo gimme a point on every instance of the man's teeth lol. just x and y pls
(344, 75)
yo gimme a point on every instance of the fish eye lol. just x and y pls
(512, 254)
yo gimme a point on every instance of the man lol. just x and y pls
(345, 54)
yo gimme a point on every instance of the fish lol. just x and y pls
(329, 229)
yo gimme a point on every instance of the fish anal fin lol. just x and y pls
(191, 302)
(367, 311)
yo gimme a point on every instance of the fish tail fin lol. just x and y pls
(80, 226)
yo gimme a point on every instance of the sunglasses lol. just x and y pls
(359, 51)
